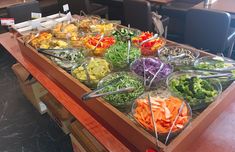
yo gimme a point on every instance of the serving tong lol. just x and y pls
(149, 39)
(101, 38)
(35, 36)
(55, 50)
(155, 75)
(153, 120)
(95, 93)
(54, 56)
(172, 57)
(84, 65)
(173, 124)
(217, 75)
(213, 76)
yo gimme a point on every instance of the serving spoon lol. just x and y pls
(149, 39)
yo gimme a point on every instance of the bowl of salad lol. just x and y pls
(177, 55)
(122, 101)
(118, 56)
(97, 46)
(72, 57)
(218, 64)
(199, 93)
(214, 63)
(124, 34)
(149, 69)
(91, 71)
(165, 108)
(150, 47)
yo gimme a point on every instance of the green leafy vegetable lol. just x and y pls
(195, 91)
(122, 99)
(118, 55)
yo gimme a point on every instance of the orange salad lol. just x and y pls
(150, 47)
(164, 111)
(105, 43)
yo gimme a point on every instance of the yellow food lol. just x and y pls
(65, 30)
(43, 39)
(97, 68)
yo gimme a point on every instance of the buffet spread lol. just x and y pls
(147, 88)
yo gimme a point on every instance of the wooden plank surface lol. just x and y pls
(221, 5)
(108, 140)
(7, 3)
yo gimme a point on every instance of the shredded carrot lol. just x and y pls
(165, 112)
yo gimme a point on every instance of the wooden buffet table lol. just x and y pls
(219, 136)
(221, 5)
(109, 141)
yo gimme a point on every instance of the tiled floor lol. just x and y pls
(22, 128)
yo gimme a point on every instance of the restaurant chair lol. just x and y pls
(138, 14)
(209, 30)
(22, 12)
(87, 6)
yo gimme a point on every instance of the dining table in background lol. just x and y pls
(220, 5)
(7, 3)
(160, 2)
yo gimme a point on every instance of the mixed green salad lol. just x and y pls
(122, 100)
(74, 57)
(212, 63)
(117, 55)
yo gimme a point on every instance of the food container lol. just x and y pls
(74, 57)
(173, 55)
(122, 101)
(165, 108)
(104, 28)
(65, 30)
(96, 46)
(85, 23)
(118, 55)
(148, 68)
(213, 63)
(198, 92)
(217, 63)
(124, 34)
(151, 47)
(91, 71)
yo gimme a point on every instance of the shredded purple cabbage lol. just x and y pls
(152, 66)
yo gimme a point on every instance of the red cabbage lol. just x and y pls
(152, 66)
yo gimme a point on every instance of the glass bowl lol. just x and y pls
(147, 67)
(73, 56)
(217, 63)
(104, 28)
(117, 55)
(165, 108)
(151, 47)
(124, 34)
(168, 53)
(213, 63)
(122, 101)
(91, 71)
(100, 50)
(198, 92)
